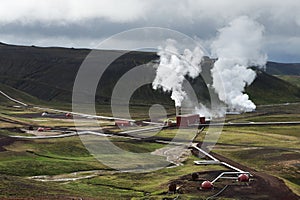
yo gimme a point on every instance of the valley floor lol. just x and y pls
(62, 168)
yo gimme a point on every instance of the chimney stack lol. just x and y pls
(178, 110)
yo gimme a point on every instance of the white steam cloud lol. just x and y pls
(173, 68)
(237, 47)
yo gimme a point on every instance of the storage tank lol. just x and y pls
(207, 185)
(243, 178)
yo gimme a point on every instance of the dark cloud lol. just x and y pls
(86, 23)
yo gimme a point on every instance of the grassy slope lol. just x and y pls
(60, 156)
(29, 158)
(295, 80)
(267, 89)
(25, 158)
(49, 73)
(20, 95)
(67, 155)
(272, 149)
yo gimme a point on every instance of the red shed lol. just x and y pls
(187, 120)
(122, 123)
(68, 115)
(40, 129)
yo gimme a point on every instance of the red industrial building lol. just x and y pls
(41, 129)
(187, 120)
(68, 115)
(123, 123)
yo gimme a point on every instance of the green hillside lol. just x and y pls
(19, 95)
(274, 68)
(270, 89)
(294, 80)
(48, 74)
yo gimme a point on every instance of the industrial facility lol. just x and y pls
(187, 120)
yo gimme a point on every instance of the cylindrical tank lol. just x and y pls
(206, 185)
(243, 178)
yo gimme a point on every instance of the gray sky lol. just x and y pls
(84, 23)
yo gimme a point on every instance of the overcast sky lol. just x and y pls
(84, 23)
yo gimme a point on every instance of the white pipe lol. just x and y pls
(207, 162)
(232, 167)
(227, 173)
(205, 153)
(216, 160)
(12, 99)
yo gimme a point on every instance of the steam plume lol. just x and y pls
(173, 68)
(237, 47)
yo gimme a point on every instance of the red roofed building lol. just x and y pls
(122, 123)
(187, 120)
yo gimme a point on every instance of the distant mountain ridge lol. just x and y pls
(274, 68)
(49, 73)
